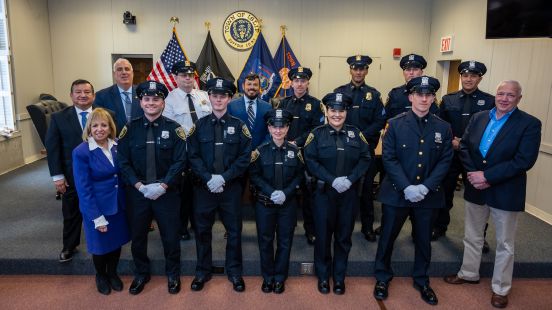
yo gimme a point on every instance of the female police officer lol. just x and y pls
(276, 170)
(337, 155)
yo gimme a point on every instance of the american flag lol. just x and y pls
(161, 71)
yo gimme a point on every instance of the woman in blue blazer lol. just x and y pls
(101, 198)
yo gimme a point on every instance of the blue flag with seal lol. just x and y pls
(260, 61)
(285, 60)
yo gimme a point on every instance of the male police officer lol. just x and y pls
(308, 113)
(367, 114)
(417, 151)
(457, 109)
(152, 154)
(219, 154)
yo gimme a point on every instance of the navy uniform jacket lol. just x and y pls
(452, 108)
(397, 103)
(170, 151)
(412, 156)
(367, 112)
(513, 152)
(321, 153)
(262, 171)
(237, 147)
(308, 113)
(110, 98)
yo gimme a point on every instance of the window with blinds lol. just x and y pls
(6, 102)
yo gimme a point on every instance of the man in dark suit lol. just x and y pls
(64, 134)
(417, 151)
(497, 149)
(121, 97)
(251, 108)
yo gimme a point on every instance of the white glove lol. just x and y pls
(218, 190)
(144, 189)
(422, 189)
(215, 182)
(346, 183)
(155, 190)
(340, 184)
(278, 197)
(412, 193)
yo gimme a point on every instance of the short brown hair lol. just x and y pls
(103, 114)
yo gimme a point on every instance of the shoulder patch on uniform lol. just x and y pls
(246, 131)
(309, 139)
(123, 132)
(300, 157)
(192, 130)
(181, 133)
(254, 155)
(362, 137)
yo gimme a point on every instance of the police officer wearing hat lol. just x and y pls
(417, 152)
(276, 170)
(308, 113)
(152, 154)
(186, 105)
(457, 109)
(368, 114)
(338, 155)
(219, 154)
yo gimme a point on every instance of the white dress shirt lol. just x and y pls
(177, 109)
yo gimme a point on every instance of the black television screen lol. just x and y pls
(519, 19)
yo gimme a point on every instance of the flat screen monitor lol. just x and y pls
(519, 19)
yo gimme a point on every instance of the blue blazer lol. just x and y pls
(110, 98)
(259, 133)
(513, 152)
(97, 182)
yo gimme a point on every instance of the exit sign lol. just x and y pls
(446, 44)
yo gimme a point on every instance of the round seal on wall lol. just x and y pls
(241, 29)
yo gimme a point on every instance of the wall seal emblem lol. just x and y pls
(241, 29)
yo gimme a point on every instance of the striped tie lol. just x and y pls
(250, 114)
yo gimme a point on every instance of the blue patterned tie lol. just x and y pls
(128, 106)
(250, 114)
(83, 119)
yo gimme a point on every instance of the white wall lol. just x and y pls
(525, 60)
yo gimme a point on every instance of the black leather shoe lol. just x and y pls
(323, 286)
(115, 282)
(377, 231)
(369, 235)
(486, 247)
(199, 282)
(102, 284)
(310, 239)
(437, 233)
(174, 285)
(66, 255)
(238, 284)
(279, 287)
(267, 286)
(186, 236)
(339, 288)
(381, 290)
(138, 285)
(428, 295)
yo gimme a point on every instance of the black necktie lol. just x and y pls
(466, 112)
(218, 163)
(151, 170)
(340, 162)
(278, 169)
(192, 108)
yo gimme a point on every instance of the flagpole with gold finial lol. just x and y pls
(208, 25)
(174, 20)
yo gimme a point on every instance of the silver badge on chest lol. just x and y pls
(438, 138)
(480, 102)
(351, 134)
(164, 134)
(290, 154)
(231, 130)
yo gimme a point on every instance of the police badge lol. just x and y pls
(480, 102)
(291, 154)
(368, 96)
(308, 107)
(351, 134)
(164, 134)
(231, 130)
(438, 138)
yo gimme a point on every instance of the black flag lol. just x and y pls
(210, 64)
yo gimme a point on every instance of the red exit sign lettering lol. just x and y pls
(446, 44)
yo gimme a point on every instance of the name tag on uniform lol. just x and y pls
(231, 130)
(164, 134)
(480, 102)
(438, 138)
(290, 154)
(351, 134)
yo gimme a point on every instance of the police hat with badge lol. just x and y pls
(221, 86)
(472, 66)
(151, 88)
(337, 101)
(278, 117)
(413, 61)
(423, 85)
(359, 61)
(300, 73)
(185, 66)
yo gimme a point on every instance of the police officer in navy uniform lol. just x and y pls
(368, 114)
(308, 113)
(457, 109)
(276, 170)
(338, 155)
(152, 155)
(219, 154)
(417, 152)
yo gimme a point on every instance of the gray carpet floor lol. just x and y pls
(31, 224)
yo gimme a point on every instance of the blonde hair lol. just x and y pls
(101, 114)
